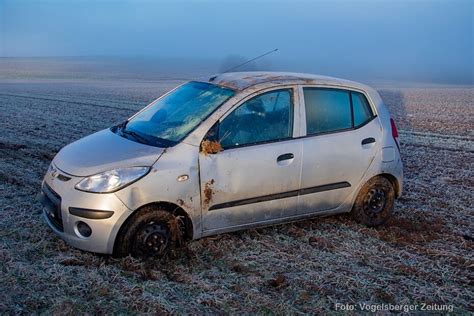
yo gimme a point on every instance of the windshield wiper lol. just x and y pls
(121, 128)
(121, 125)
(153, 141)
(135, 135)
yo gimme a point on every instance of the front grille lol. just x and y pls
(54, 211)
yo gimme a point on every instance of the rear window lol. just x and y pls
(327, 110)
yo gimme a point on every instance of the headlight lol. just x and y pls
(112, 180)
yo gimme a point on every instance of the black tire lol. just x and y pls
(374, 203)
(150, 233)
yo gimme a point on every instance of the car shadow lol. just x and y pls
(396, 103)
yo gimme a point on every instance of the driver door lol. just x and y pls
(256, 177)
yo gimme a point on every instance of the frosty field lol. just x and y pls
(424, 255)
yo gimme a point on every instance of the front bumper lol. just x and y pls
(64, 207)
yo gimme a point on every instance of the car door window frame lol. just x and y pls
(296, 119)
(302, 107)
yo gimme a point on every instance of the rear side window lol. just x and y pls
(327, 110)
(362, 110)
(331, 110)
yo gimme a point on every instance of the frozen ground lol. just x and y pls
(425, 255)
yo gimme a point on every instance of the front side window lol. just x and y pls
(174, 116)
(327, 110)
(264, 118)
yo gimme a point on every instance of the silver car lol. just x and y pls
(240, 150)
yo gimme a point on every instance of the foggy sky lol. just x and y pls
(410, 40)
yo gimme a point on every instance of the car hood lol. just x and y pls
(104, 151)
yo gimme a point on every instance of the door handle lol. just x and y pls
(369, 140)
(285, 157)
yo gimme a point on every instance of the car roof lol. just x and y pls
(244, 80)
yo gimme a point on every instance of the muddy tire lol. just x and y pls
(150, 233)
(374, 203)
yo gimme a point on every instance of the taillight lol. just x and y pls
(394, 128)
(394, 132)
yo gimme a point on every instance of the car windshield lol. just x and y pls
(171, 118)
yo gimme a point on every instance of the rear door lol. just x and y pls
(256, 177)
(342, 137)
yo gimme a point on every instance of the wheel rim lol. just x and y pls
(153, 239)
(375, 201)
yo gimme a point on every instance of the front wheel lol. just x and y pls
(374, 203)
(151, 232)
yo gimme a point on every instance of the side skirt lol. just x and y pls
(277, 196)
(344, 208)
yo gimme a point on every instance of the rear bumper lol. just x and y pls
(64, 207)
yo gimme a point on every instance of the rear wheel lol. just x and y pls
(151, 232)
(374, 203)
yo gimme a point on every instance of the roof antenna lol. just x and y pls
(248, 61)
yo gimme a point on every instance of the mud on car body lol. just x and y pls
(237, 151)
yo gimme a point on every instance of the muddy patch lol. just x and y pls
(404, 231)
(208, 192)
(16, 151)
(8, 179)
(11, 146)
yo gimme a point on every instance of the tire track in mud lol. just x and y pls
(83, 99)
(16, 151)
(454, 143)
(37, 128)
(53, 122)
(23, 164)
(68, 101)
(444, 148)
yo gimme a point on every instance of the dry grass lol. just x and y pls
(423, 255)
(210, 147)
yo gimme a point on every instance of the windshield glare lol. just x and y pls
(173, 117)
